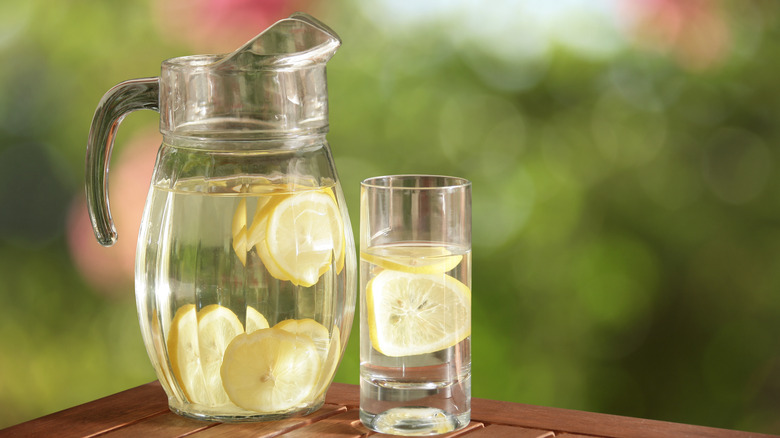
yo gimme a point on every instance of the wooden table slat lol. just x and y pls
(573, 435)
(97, 417)
(343, 394)
(466, 432)
(343, 425)
(168, 424)
(267, 429)
(143, 411)
(501, 431)
(590, 423)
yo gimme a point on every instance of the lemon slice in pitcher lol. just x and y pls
(196, 342)
(411, 314)
(217, 326)
(239, 231)
(311, 328)
(265, 205)
(255, 320)
(184, 353)
(304, 233)
(270, 370)
(257, 232)
(330, 363)
(341, 251)
(270, 264)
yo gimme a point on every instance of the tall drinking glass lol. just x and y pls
(415, 304)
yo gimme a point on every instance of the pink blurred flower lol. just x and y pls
(695, 32)
(220, 26)
(110, 270)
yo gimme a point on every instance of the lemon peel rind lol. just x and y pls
(441, 264)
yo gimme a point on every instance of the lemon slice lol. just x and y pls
(239, 231)
(217, 326)
(184, 353)
(340, 254)
(265, 204)
(304, 232)
(330, 363)
(256, 234)
(259, 184)
(255, 320)
(311, 328)
(270, 264)
(270, 370)
(411, 314)
(196, 342)
(413, 259)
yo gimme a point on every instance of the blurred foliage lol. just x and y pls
(626, 243)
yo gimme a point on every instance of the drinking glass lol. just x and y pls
(415, 304)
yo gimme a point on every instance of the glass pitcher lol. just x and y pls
(245, 264)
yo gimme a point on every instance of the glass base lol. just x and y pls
(414, 421)
(240, 416)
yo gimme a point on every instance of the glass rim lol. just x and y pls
(192, 62)
(455, 182)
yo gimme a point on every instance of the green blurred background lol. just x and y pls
(625, 185)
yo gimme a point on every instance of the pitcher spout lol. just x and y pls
(274, 84)
(298, 41)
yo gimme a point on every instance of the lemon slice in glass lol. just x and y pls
(270, 370)
(411, 314)
(311, 328)
(255, 320)
(304, 232)
(415, 259)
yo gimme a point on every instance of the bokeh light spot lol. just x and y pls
(736, 165)
(615, 277)
(501, 207)
(627, 135)
(14, 17)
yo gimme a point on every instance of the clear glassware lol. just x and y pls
(245, 270)
(415, 304)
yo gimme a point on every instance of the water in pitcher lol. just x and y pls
(415, 351)
(243, 277)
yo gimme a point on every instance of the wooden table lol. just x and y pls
(143, 412)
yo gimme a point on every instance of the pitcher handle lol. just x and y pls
(118, 102)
